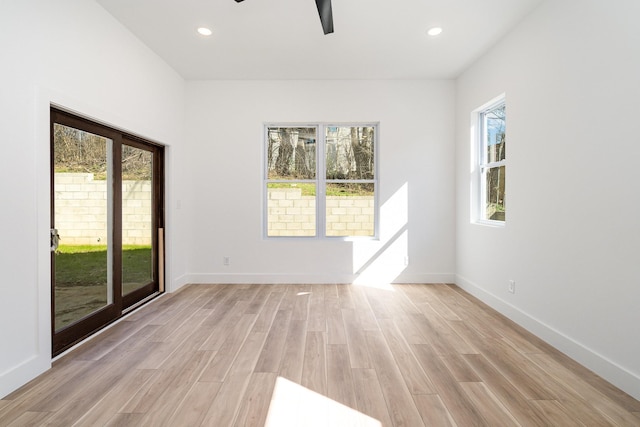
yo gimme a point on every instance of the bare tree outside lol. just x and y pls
(293, 181)
(495, 129)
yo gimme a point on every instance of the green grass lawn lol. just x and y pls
(332, 189)
(86, 265)
(81, 278)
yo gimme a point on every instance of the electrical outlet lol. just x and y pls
(512, 286)
(406, 260)
(226, 260)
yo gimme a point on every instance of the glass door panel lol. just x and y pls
(137, 218)
(106, 219)
(83, 207)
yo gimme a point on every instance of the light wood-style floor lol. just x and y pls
(325, 355)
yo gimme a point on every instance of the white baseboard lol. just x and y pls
(256, 278)
(604, 367)
(21, 374)
(178, 283)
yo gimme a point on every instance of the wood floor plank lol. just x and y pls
(504, 389)
(115, 398)
(459, 368)
(369, 397)
(528, 378)
(194, 358)
(453, 396)
(436, 335)
(317, 320)
(345, 298)
(30, 419)
(339, 376)
(582, 391)
(271, 355)
(301, 299)
(195, 404)
(377, 299)
(226, 405)
(399, 303)
(226, 326)
(413, 374)
(443, 337)
(36, 391)
(167, 403)
(255, 405)
(107, 341)
(492, 410)
(364, 312)
(268, 312)
(417, 294)
(221, 363)
(356, 340)
(553, 411)
(402, 409)
(76, 404)
(71, 389)
(293, 357)
(124, 420)
(314, 369)
(333, 314)
(597, 382)
(410, 331)
(259, 299)
(433, 411)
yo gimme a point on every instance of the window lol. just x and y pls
(492, 162)
(320, 180)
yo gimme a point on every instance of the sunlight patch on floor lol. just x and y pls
(293, 405)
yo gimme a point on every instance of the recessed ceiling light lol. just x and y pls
(434, 31)
(204, 31)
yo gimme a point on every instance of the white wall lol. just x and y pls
(224, 125)
(71, 53)
(571, 74)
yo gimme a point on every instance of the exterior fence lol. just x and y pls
(81, 210)
(292, 214)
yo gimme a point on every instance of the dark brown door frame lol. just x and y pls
(78, 331)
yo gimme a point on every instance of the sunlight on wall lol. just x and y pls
(293, 405)
(379, 263)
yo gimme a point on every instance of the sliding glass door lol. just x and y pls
(106, 225)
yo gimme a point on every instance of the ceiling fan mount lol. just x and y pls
(325, 12)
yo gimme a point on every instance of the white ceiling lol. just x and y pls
(283, 39)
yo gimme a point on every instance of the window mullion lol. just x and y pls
(321, 175)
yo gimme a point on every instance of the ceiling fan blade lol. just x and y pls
(326, 15)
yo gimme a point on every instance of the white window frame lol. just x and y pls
(321, 180)
(480, 142)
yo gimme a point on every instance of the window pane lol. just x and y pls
(137, 256)
(495, 201)
(350, 209)
(291, 209)
(83, 202)
(291, 153)
(495, 133)
(349, 152)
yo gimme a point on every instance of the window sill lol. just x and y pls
(490, 223)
